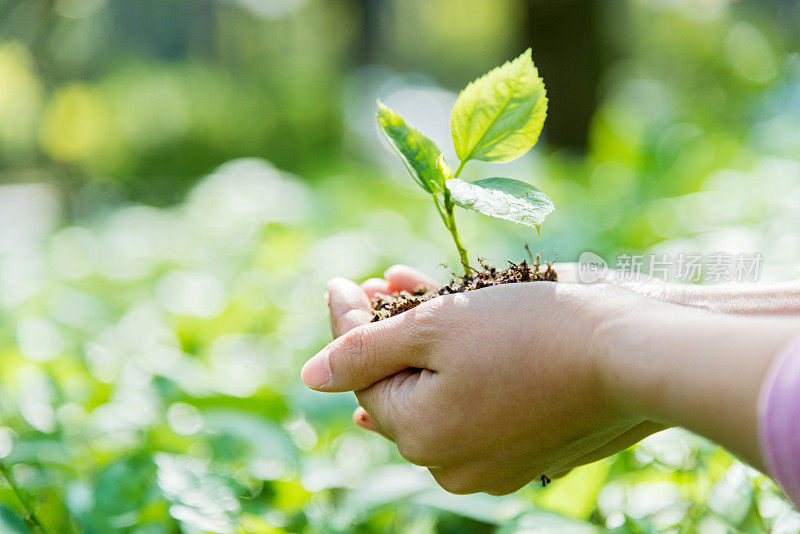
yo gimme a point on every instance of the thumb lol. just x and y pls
(366, 355)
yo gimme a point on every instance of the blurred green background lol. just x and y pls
(179, 179)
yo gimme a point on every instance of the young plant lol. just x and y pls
(497, 118)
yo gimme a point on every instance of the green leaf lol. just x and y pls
(499, 116)
(503, 198)
(444, 170)
(417, 151)
(200, 499)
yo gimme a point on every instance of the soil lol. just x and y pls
(385, 306)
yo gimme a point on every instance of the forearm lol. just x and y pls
(694, 369)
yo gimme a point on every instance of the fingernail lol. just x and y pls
(388, 272)
(333, 289)
(317, 371)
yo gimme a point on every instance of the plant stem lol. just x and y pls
(449, 219)
(462, 252)
(460, 168)
(31, 519)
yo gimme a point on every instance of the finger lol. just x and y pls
(375, 285)
(365, 421)
(379, 402)
(405, 278)
(367, 354)
(380, 398)
(397, 405)
(348, 304)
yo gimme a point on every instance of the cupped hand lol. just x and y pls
(489, 389)
(349, 307)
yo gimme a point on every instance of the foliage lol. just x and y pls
(150, 384)
(502, 198)
(149, 356)
(497, 118)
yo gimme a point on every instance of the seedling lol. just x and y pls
(497, 118)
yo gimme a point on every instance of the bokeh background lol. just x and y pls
(179, 179)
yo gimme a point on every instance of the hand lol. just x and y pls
(482, 421)
(659, 363)
(350, 307)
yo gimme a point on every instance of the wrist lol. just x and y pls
(703, 371)
(620, 355)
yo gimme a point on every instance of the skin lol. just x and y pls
(762, 299)
(575, 372)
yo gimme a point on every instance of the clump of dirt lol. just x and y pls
(385, 306)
